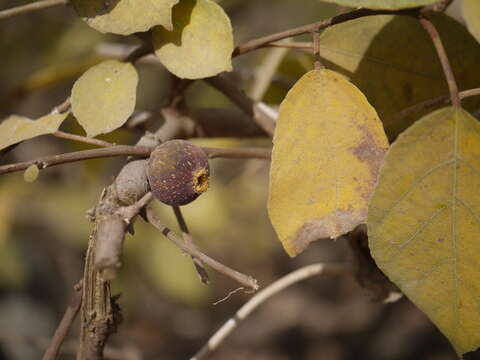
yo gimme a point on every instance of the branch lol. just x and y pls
(191, 250)
(274, 288)
(113, 229)
(25, 9)
(47, 161)
(199, 266)
(128, 150)
(250, 107)
(440, 100)
(442, 55)
(56, 342)
(266, 40)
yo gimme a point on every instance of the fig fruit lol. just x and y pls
(178, 172)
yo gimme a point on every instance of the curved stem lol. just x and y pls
(24, 9)
(274, 288)
(442, 55)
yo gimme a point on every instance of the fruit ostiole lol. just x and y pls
(178, 172)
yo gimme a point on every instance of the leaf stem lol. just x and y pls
(442, 55)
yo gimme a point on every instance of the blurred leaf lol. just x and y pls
(471, 14)
(201, 42)
(169, 269)
(13, 271)
(392, 60)
(423, 221)
(31, 174)
(15, 129)
(383, 4)
(125, 17)
(104, 96)
(328, 146)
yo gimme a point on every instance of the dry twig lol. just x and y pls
(274, 288)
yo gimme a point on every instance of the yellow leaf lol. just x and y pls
(424, 221)
(15, 129)
(125, 17)
(367, 51)
(201, 42)
(471, 14)
(104, 96)
(328, 146)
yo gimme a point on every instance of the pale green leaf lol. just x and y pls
(201, 43)
(424, 221)
(327, 149)
(125, 17)
(104, 96)
(15, 129)
(471, 14)
(392, 60)
(383, 4)
(31, 174)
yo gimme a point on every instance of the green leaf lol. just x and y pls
(392, 60)
(471, 14)
(424, 221)
(15, 129)
(104, 96)
(125, 17)
(201, 42)
(327, 149)
(31, 174)
(383, 4)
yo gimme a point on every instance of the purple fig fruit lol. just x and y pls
(178, 172)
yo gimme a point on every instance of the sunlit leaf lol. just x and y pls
(125, 17)
(471, 14)
(31, 174)
(392, 60)
(15, 129)
(201, 42)
(383, 4)
(328, 146)
(104, 96)
(424, 221)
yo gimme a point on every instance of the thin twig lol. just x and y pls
(316, 50)
(279, 285)
(442, 55)
(305, 29)
(292, 44)
(243, 279)
(35, 6)
(440, 100)
(199, 266)
(56, 342)
(47, 161)
(83, 139)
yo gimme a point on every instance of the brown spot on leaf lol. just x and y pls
(331, 227)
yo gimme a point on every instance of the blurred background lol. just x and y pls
(167, 312)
